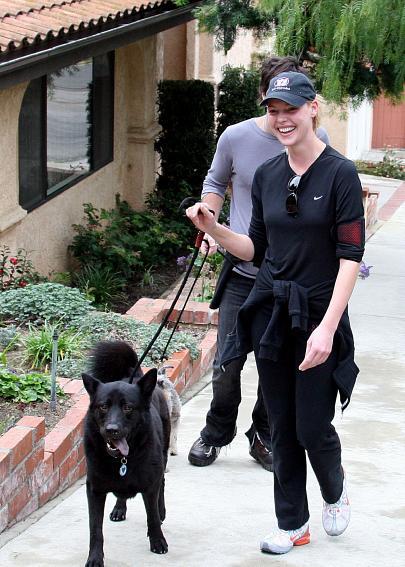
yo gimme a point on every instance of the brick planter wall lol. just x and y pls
(35, 467)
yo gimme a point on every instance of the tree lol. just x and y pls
(354, 48)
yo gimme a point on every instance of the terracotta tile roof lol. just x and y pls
(25, 23)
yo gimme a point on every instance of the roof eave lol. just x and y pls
(35, 62)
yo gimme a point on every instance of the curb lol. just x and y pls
(34, 467)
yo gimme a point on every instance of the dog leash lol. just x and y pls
(197, 244)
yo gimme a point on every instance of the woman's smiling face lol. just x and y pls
(291, 124)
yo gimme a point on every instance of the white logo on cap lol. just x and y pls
(281, 82)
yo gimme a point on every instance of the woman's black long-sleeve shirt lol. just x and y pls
(329, 224)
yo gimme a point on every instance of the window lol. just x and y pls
(65, 128)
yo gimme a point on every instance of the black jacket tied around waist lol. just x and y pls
(293, 306)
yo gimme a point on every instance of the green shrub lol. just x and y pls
(390, 166)
(26, 388)
(120, 242)
(99, 284)
(185, 145)
(43, 302)
(38, 344)
(111, 326)
(238, 96)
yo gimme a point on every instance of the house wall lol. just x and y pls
(334, 120)
(47, 231)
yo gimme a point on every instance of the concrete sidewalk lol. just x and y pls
(217, 515)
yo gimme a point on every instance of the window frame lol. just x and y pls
(34, 195)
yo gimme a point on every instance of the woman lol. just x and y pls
(307, 236)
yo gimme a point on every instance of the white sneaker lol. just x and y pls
(336, 517)
(282, 541)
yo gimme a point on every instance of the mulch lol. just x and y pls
(11, 412)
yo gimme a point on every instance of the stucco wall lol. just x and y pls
(47, 231)
(175, 45)
(335, 121)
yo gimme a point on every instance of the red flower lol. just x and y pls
(22, 283)
(14, 261)
(1, 271)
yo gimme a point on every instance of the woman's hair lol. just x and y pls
(274, 66)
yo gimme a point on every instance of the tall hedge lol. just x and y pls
(238, 96)
(185, 144)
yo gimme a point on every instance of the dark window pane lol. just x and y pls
(103, 109)
(31, 136)
(69, 118)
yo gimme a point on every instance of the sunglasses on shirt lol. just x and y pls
(291, 203)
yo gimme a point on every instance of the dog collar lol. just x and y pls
(115, 453)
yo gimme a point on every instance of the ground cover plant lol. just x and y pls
(390, 166)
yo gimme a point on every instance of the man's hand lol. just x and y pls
(202, 218)
(319, 346)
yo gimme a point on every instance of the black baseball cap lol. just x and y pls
(291, 87)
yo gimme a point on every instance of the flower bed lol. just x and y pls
(35, 467)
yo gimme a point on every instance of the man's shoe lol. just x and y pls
(201, 454)
(282, 541)
(336, 517)
(261, 454)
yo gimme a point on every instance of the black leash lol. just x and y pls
(197, 244)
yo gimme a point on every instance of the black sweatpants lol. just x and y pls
(301, 407)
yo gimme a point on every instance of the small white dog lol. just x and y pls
(174, 404)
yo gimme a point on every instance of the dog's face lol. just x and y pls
(118, 408)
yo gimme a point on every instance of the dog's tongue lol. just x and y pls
(122, 446)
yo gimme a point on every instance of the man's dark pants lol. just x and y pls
(221, 418)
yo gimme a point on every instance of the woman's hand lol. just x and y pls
(201, 217)
(319, 346)
(208, 245)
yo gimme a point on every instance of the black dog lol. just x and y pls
(126, 440)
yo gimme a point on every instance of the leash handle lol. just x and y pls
(199, 239)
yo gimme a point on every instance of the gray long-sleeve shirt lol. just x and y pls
(240, 150)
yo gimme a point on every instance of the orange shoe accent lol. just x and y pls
(306, 538)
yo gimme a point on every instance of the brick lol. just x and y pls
(62, 381)
(187, 316)
(34, 460)
(66, 468)
(18, 501)
(58, 442)
(73, 387)
(82, 468)
(73, 422)
(82, 401)
(80, 451)
(36, 423)
(201, 317)
(12, 484)
(31, 506)
(19, 441)
(5, 459)
(174, 372)
(183, 357)
(49, 489)
(46, 468)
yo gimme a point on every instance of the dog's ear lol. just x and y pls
(91, 384)
(147, 382)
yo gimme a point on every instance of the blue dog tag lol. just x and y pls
(123, 467)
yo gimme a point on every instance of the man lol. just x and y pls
(240, 150)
